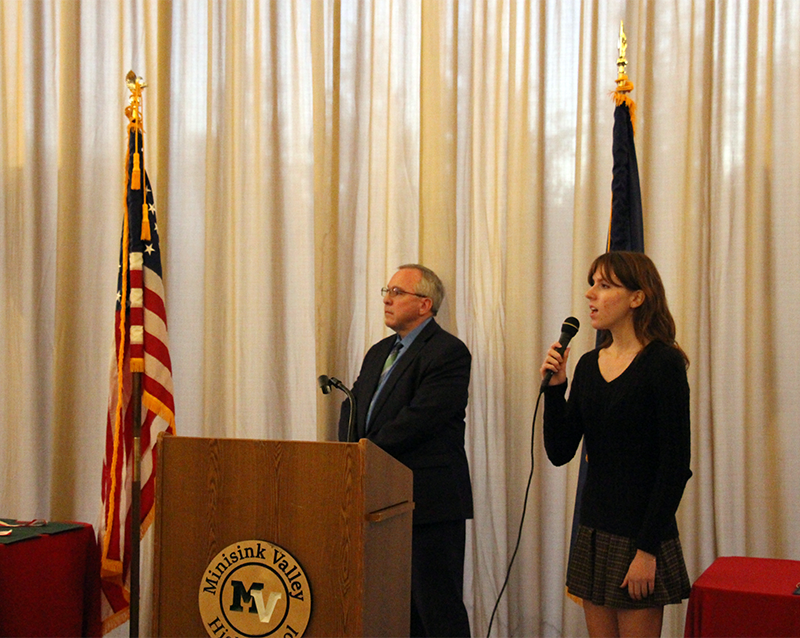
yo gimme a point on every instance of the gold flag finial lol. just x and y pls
(624, 85)
(134, 114)
(135, 86)
(138, 178)
(134, 82)
(622, 61)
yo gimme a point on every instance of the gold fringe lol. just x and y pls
(620, 97)
(112, 622)
(574, 598)
(145, 236)
(156, 406)
(108, 564)
(145, 221)
(136, 174)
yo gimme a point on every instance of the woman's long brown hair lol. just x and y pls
(652, 321)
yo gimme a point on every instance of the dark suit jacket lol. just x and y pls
(419, 418)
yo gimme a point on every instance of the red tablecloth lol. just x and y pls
(50, 585)
(739, 596)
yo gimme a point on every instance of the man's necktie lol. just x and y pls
(393, 354)
(390, 360)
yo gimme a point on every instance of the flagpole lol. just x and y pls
(136, 85)
(625, 213)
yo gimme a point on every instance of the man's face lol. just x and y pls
(404, 312)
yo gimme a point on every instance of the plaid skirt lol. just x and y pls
(598, 564)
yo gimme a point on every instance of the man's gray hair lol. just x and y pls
(430, 285)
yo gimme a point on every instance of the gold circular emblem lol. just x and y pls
(255, 589)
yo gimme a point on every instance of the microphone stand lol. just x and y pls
(325, 384)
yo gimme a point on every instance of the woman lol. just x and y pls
(630, 400)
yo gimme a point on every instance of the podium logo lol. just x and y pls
(254, 589)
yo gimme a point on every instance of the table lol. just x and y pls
(741, 596)
(50, 583)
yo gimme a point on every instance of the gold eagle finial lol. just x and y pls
(622, 61)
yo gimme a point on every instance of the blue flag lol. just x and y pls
(625, 230)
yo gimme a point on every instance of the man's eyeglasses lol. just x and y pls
(396, 292)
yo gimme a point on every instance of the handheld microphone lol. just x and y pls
(325, 382)
(568, 330)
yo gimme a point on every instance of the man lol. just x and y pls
(414, 410)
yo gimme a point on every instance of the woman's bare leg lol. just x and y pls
(608, 622)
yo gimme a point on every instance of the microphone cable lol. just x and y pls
(569, 329)
(521, 520)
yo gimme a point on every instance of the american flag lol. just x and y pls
(141, 345)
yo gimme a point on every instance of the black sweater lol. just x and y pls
(637, 440)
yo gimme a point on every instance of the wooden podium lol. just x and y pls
(342, 510)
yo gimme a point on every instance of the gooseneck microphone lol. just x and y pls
(325, 382)
(568, 330)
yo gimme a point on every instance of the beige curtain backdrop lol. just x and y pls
(301, 150)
